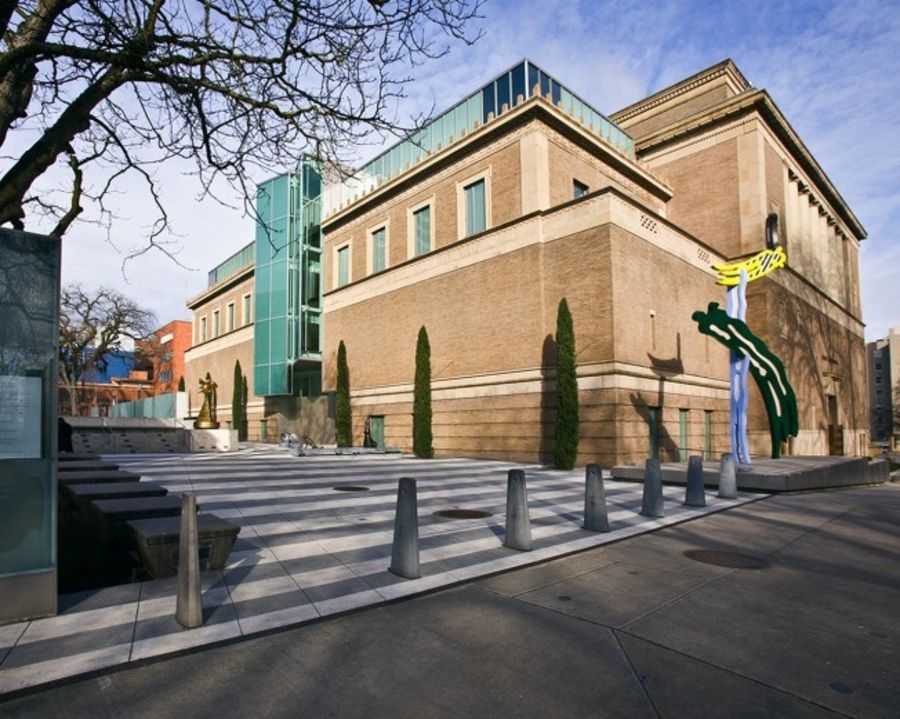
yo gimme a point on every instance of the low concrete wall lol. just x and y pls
(788, 474)
(133, 435)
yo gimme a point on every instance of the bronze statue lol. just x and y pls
(207, 417)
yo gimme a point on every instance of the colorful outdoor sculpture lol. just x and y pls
(749, 354)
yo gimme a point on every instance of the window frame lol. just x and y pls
(216, 324)
(336, 277)
(246, 308)
(229, 317)
(203, 330)
(411, 227)
(370, 246)
(461, 218)
(578, 184)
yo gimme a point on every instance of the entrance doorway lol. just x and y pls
(376, 427)
(835, 428)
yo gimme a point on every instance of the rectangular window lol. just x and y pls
(203, 329)
(707, 433)
(343, 266)
(476, 214)
(246, 310)
(379, 247)
(578, 189)
(422, 230)
(878, 366)
(216, 323)
(878, 380)
(230, 317)
(683, 435)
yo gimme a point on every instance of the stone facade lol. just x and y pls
(633, 257)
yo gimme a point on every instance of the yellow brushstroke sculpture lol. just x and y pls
(758, 266)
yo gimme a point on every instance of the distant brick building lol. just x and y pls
(165, 353)
(522, 194)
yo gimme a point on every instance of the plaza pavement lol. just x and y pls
(632, 629)
(306, 551)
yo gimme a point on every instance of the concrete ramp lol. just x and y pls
(788, 474)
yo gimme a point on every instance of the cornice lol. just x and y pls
(536, 107)
(726, 67)
(759, 101)
(221, 287)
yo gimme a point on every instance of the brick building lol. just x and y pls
(522, 194)
(884, 388)
(165, 353)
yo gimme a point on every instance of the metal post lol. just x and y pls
(188, 604)
(405, 550)
(596, 518)
(518, 527)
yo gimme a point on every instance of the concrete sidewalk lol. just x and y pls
(633, 629)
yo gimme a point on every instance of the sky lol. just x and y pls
(830, 66)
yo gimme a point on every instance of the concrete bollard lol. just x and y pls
(405, 550)
(652, 502)
(595, 515)
(518, 527)
(727, 478)
(695, 492)
(188, 603)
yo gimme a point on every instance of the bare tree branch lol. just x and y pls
(236, 86)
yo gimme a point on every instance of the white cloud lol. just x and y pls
(829, 66)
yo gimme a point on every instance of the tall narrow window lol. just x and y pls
(683, 435)
(246, 311)
(203, 329)
(422, 230)
(229, 315)
(578, 189)
(343, 265)
(476, 214)
(379, 247)
(216, 328)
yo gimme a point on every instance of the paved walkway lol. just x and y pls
(634, 629)
(306, 551)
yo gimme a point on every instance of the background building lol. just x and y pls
(884, 388)
(165, 355)
(522, 194)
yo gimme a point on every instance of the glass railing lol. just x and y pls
(240, 260)
(496, 97)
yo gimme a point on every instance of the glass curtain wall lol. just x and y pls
(287, 287)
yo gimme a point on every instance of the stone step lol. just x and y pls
(85, 493)
(77, 457)
(87, 465)
(82, 477)
(122, 510)
(158, 539)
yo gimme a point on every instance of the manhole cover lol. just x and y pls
(462, 513)
(734, 560)
(350, 488)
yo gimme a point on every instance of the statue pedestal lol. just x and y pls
(212, 440)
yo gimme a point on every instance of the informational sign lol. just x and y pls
(20, 417)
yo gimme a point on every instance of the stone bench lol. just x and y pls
(157, 541)
(87, 465)
(122, 510)
(84, 493)
(118, 475)
(77, 457)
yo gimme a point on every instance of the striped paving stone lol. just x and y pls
(306, 551)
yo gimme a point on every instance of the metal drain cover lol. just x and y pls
(462, 513)
(733, 560)
(350, 488)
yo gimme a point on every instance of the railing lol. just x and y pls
(163, 406)
(240, 260)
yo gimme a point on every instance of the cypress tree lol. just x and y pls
(343, 421)
(237, 396)
(181, 384)
(565, 441)
(422, 437)
(242, 433)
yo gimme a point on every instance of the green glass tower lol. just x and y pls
(288, 289)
